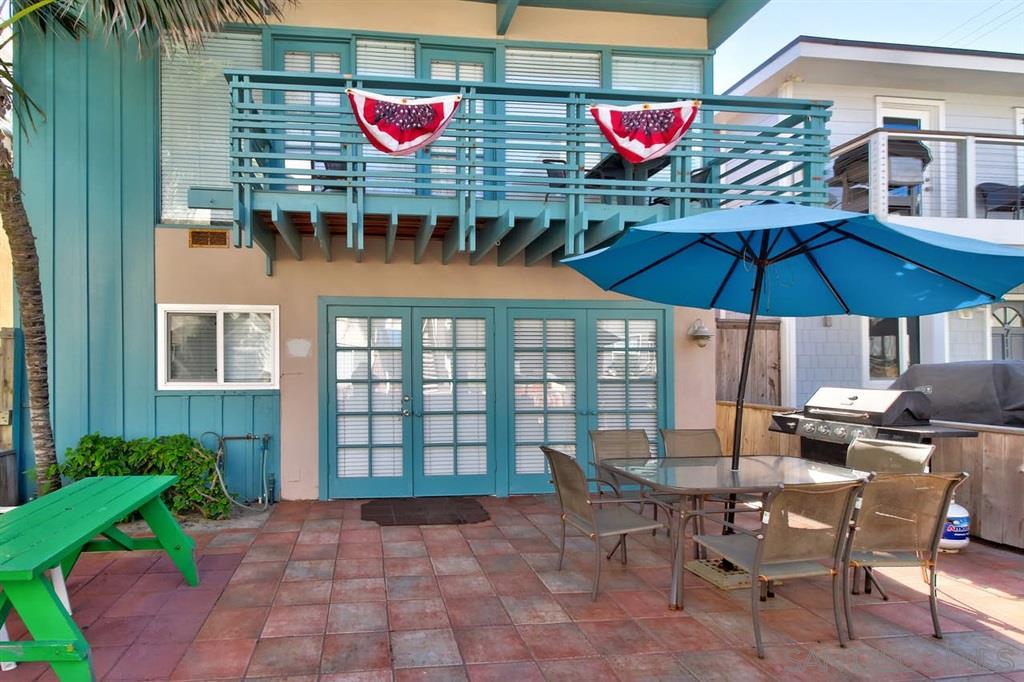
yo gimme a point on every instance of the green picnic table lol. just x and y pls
(53, 531)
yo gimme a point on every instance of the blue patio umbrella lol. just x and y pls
(798, 261)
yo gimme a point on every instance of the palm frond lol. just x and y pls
(178, 22)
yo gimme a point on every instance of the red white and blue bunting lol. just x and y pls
(400, 126)
(642, 132)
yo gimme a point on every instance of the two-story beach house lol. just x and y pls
(921, 136)
(224, 251)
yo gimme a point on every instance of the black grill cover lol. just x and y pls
(972, 392)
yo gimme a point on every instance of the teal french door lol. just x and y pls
(370, 380)
(411, 392)
(453, 401)
(577, 370)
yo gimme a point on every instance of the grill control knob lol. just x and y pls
(839, 432)
(856, 433)
(809, 427)
(823, 429)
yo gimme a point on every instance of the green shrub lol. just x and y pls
(196, 491)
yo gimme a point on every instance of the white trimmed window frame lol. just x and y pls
(164, 309)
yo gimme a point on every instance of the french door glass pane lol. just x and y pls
(370, 429)
(454, 372)
(627, 376)
(544, 376)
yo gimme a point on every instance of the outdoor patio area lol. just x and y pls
(317, 593)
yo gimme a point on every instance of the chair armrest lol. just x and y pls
(601, 481)
(759, 533)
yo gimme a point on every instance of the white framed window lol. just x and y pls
(217, 347)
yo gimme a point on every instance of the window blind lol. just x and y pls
(248, 348)
(572, 69)
(192, 347)
(194, 110)
(544, 375)
(627, 376)
(385, 58)
(670, 75)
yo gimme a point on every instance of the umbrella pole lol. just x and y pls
(748, 345)
(737, 429)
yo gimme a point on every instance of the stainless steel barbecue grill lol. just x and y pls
(834, 417)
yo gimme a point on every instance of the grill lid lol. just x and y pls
(869, 406)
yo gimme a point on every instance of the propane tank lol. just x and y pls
(956, 533)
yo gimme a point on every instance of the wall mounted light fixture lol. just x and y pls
(699, 332)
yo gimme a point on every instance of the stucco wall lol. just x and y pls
(235, 276)
(477, 20)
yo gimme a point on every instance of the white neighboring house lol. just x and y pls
(950, 122)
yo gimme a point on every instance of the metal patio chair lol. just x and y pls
(803, 534)
(691, 442)
(884, 457)
(888, 457)
(587, 515)
(608, 444)
(899, 523)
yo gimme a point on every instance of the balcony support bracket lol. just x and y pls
(321, 230)
(521, 237)
(286, 228)
(491, 235)
(427, 227)
(392, 235)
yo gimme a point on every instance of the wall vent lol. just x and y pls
(207, 239)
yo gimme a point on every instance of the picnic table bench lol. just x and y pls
(53, 531)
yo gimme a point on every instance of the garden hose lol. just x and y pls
(263, 501)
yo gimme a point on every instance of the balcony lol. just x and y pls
(522, 169)
(961, 182)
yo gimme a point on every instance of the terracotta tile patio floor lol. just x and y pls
(316, 593)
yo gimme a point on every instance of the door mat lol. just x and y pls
(424, 511)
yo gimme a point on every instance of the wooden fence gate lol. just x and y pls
(764, 384)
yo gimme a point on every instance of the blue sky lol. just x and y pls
(976, 24)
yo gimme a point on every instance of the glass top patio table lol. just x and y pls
(712, 475)
(699, 476)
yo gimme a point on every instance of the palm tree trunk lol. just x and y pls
(25, 265)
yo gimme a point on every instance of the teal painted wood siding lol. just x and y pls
(89, 177)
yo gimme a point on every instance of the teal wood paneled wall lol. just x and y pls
(89, 171)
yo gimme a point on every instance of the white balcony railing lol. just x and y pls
(930, 174)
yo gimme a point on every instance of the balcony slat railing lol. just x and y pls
(295, 133)
(944, 174)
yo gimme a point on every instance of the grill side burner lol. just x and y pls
(835, 417)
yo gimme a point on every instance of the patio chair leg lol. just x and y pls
(622, 541)
(614, 549)
(764, 591)
(838, 592)
(933, 599)
(869, 579)
(597, 576)
(561, 548)
(771, 590)
(846, 601)
(654, 531)
(755, 613)
(855, 579)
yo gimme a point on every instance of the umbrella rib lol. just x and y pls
(821, 273)
(915, 263)
(656, 263)
(796, 249)
(722, 246)
(725, 280)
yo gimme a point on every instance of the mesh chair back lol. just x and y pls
(614, 443)
(691, 442)
(888, 457)
(571, 486)
(808, 522)
(904, 512)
